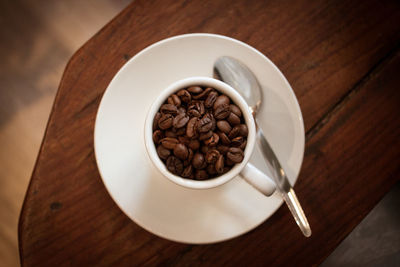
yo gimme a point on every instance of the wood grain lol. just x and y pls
(340, 59)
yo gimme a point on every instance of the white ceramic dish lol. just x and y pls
(157, 204)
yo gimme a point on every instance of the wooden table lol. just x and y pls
(342, 59)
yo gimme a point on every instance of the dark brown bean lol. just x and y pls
(201, 175)
(229, 162)
(237, 141)
(187, 171)
(243, 145)
(236, 110)
(169, 109)
(194, 144)
(174, 100)
(222, 112)
(157, 136)
(223, 149)
(235, 154)
(233, 119)
(180, 120)
(205, 124)
(210, 100)
(222, 99)
(204, 136)
(181, 151)
(234, 132)
(219, 164)
(226, 169)
(196, 109)
(180, 131)
(203, 94)
(198, 161)
(162, 152)
(224, 138)
(174, 165)
(204, 149)
(165, 121)
(184, 140)
(155, 121)
(212, 141)
(243, 130)
(184, 95)
(211, 169)
(181, 110)
(195, 90)
(212, 156)
(191, 127)
(170, 133)
(224, 126)
(169, 142)
(188, 161)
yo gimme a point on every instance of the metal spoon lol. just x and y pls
(237, 75)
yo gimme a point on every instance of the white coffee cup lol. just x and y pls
(246, 170)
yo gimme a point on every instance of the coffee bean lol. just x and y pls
(229, 162)
(155, 121)
(222, 99)
(174, 100)
(169, 109)
(223, 149)
(170, 133)
(211, 169)
(204, 136)
(165, 121)
(233, 119)
(222, 111)
(181, 110)
(226, 169)
(174, 165)
(219, 164)
(224, 138)
(201, 175)
(157, 136)
(198, 161)
(204, 149)
(169, 142)
(180, 131)
(187, 171)
(205, 124)
(209, 102)
(195, 90)
(191, 127)
(212, 141)
(188, 161)
(243, 130)
(243, 145)
(212, 156)
(203, 94)
(184, 140)
(162, 152)
(194, 144)
(235, 154)
(236, 110)
(181, 151)
(180, 120)
(234, 132)
(224, 126)
(196, 109)
(237, 141)
(184, 95)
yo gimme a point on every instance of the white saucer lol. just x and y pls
(142, 193)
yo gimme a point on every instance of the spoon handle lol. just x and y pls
(282, 184)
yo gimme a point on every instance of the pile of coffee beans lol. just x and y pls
(199, 133)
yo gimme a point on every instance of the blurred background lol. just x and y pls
(36, 39)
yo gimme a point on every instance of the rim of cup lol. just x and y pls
(222, 88)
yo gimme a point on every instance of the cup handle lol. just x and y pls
(258, 179)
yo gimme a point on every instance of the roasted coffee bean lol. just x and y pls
(190, 155)
(162, 152)
(212, 156)
(224, 126)
(243, 145)
(214, 122)
(187, 171)
(196, 109)
(204, 149)
(219, 164)
(165, 121)
(157, 136)
(170, 133)
(201, 175)
(180, 131)
(223, 149)
(181, 110)
(174, 165)
(169, 109)
(203, 94)
(169, 142)
(226, 169)
(204, 136)
(237, 141)
(174, 100)
(229, 162)
(211, 169)
(181, 151)
(222, 112)
(180, 120)
(209, 102)
(205, 124)
(243, 130)
(222, 99)
(234, 132)
(195, 90)
(184, 95)
(235, 154)
(194, 144)
(212, 141)
(224, 138)
(236, 110)
(233, 119)
(155, 121)
(191, 127)
(184, 140)
(198, 161)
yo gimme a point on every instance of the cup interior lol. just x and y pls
(221, 87)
